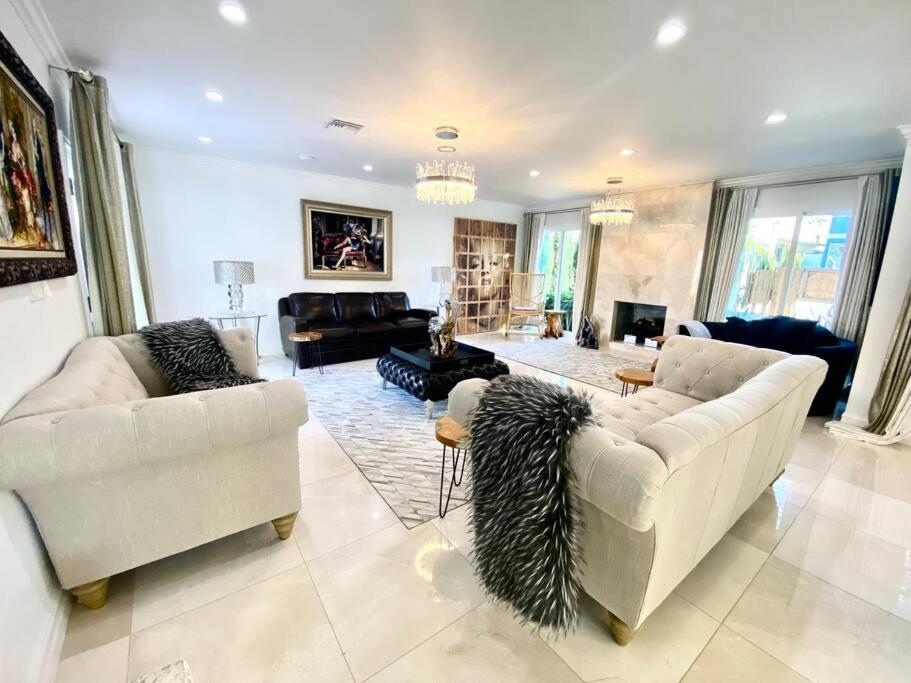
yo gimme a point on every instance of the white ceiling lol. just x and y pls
(556, 86)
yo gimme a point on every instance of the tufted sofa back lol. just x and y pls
(95, 373)
(706, 369)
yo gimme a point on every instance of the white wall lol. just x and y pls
(893, 283)
(199, 209)
(40, 324)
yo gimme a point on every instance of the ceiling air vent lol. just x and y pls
(346, 126)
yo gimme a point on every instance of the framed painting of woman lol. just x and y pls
(346, 242)
(35, 238)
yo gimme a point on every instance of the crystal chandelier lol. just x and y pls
(446, 182)
(614, 209)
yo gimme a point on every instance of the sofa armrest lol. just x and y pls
(422, 313)
(463, 399)
(620, 477)
(288, 324)
(93, 441)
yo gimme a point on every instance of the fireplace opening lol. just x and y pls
(640, 320)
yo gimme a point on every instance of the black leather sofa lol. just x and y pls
(793, 335)
(354, 325)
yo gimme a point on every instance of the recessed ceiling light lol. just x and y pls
(614, 180)
(233, 11)
(214, 95)
(447, 149)
(205, 139)
(534, 173)
(670, 33)
(446, 133)
(775, 118)
(305, 157)
(627, 152)
(367, 167)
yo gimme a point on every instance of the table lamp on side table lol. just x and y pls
(235, 274)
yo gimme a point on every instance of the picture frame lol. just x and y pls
(36, 242)
(343, 242)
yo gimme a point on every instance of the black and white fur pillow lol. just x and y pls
(191, 356)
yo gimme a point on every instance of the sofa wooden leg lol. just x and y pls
(92, 594)
(621, 633)
(284, 525)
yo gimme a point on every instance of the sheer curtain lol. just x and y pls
(862, 255)
(732, 209)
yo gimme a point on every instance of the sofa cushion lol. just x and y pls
(628, 415)
(411, 323)
(392, 305)
(367, 329)
(705, 369)
(333, 331)
(355, 307)
(95, 374)
(312, 306)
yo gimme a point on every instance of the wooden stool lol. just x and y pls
(553, 324)
(312, 339)
(635, 376)
(452, 435)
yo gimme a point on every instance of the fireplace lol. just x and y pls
(642, 320)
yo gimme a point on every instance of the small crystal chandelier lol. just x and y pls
(446, 182)
(614, 209)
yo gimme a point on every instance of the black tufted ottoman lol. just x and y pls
(430, 379)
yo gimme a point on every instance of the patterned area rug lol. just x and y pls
(386, 435)
(591, 366)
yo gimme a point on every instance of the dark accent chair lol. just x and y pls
(354, 325)
(806, 337)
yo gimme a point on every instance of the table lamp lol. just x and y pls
(235, 274)
(445, 276)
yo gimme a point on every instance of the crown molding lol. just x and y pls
(906, 130)
(39, 28)
(814, 173)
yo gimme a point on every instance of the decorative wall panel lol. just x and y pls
(483, 254)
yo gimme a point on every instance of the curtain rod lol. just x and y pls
(83, 74)
(552, 213)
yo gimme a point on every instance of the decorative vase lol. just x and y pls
(442, 333)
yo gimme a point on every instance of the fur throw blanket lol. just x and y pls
(525, 520)
(191, 356)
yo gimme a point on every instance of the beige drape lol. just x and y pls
(105, 240)
(732, 209)
(137, 229)
(534, 223)
(862, 255)
(586, 269)
(890, 410)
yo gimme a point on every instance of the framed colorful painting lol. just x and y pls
(346, 242)
(35, 239)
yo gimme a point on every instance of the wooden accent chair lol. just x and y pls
(526, 299)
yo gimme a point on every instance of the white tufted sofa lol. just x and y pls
(117, 473)
(672, 467)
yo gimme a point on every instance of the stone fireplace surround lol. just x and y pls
(656, 259)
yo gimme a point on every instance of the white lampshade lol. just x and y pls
(234, 272)
(442, 274)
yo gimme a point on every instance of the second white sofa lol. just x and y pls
(675, 465)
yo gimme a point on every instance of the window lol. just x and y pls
(793, 254)
(558, 253)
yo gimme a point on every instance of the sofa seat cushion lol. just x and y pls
(628, 415)
(374, 328)
(333, 331)
(411, 323)
(95, 374)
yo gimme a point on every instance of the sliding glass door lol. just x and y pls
(558, 253)
(790, 265)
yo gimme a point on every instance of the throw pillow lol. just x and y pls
(191, 357)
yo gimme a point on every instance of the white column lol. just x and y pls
(894, 279)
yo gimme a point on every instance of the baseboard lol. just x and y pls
(54, 640)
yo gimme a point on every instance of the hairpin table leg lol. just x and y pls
(457, 454)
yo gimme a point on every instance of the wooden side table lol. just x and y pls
(637, 377)
(553, 324)
(311, 342)
(453, 436)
